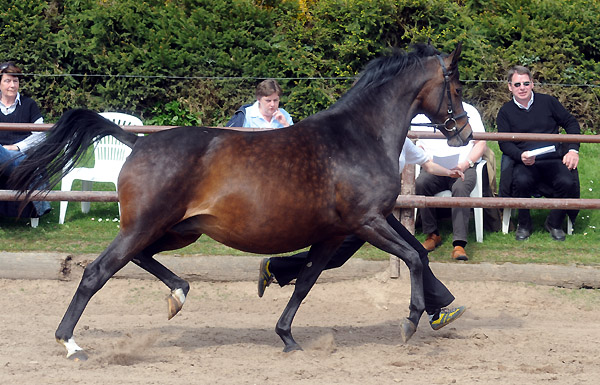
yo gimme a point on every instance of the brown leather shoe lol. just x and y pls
(432, 241)
(459, 254)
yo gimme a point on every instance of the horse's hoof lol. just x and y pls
(174, 305)
(79, 355)
(175, 302)
(407, 329)
(74, 352)
(291, 348)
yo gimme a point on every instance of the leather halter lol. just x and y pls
(450, 125)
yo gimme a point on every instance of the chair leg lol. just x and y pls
(478, 214)
(63, 212)
(86, 185)
(65, 185)
(478, 211)
(506, 219)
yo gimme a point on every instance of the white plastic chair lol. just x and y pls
(109, 154)
(506, 221)
(476, 193)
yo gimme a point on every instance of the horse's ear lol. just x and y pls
(429, 41)
(456, 55)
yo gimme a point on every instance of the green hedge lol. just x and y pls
(201, 59)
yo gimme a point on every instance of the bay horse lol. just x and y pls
(330, 175)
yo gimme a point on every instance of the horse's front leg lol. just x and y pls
(381, 235)
(317, 259)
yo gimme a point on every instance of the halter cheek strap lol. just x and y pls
(450, 123)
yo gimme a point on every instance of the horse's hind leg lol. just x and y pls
(179, 236)
(95, 275)
(317, 259)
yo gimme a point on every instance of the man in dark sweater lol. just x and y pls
(538, 162)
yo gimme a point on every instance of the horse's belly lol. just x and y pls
(264, 244)
(267, 235)
(264, 218)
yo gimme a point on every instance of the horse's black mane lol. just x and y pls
(384, 68)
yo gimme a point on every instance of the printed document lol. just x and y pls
(540, 151)
(449, 162)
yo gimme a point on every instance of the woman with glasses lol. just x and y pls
(537, 162)
(16, 108)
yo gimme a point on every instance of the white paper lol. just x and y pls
(540, 151)
(449, 162)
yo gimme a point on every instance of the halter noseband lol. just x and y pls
(450, 124)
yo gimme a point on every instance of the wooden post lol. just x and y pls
(405, 215)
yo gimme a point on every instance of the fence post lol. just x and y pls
(405, 215)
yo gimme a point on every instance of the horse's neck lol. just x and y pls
(392, 127)
(385, 116)
(400, 114)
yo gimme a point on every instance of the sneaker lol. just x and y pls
(264, 276)
(432, 241)
(444, 316)
(459, 254)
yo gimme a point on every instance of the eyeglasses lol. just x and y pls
(518, 84)
(4, 66)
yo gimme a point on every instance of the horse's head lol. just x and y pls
(441, 99)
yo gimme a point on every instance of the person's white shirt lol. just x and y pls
(411, 154)
(439, 147)
(255, 119)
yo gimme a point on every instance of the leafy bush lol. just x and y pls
(208, 55)
(172, 114)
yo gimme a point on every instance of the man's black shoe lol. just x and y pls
(522, 233)
(557, 234)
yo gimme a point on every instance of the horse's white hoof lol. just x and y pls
(74, 352)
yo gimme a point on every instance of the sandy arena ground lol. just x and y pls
(513, 333)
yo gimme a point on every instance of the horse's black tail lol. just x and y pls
(66, 143)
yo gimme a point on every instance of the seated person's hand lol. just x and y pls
(280, 118)
(11, 147)
(526, 159)
(456, 173)
(571, 160)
